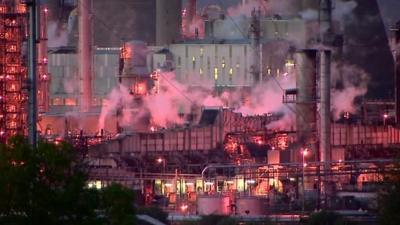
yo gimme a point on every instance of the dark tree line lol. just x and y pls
(48, 186)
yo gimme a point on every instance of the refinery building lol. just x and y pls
(220, 112)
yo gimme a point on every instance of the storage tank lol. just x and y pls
(213, 205)
(252, 206)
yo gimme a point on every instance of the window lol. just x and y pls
(194, 62)
(216, 73)
(70, 101)
(223, 63)
(231, 71)
(201, 71)
(179, 61)
(201, 51)
(57, 101)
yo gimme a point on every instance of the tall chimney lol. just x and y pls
(395, 46)
(255, 45)
(306, 105)
(85, 53)
(325, 107)
(326, 39)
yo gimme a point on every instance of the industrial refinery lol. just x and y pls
(241, 108)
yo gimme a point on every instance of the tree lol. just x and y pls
(48, 186)
(389, 203)
(327, 218)
(117, 203)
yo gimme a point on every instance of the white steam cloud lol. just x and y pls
(354, 82)
(56, 34)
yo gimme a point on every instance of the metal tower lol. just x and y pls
(13, 70)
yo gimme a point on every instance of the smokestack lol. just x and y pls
(326, 38)
(395, 45)
(325, 22)
(255, 45)
(32, 115)
(306, 105)
(85, 53)
(325, 108)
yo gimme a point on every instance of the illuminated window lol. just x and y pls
(201, 51)
(216, 73)
(289, 63)
(201, 71)
(57, 101)
(269, 71)
(194, 62)
(70, 101)
(278, 72)
(223, 63)
(231, 71)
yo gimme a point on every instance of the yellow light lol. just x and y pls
(231, 71)
(193, 59)
(223, 64)
(289, 63)
(201, 51)
(216, 73)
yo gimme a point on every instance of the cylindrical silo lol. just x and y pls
(306, 105)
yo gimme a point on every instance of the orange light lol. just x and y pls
(184, 207)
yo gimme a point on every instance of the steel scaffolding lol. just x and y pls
(13, 70)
